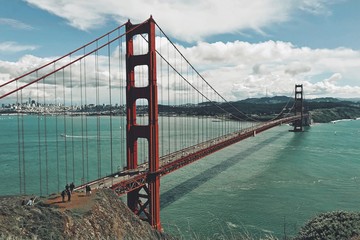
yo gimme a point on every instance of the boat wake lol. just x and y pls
(74, 136)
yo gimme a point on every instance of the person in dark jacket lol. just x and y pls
(88, 190)
(68, 195)
(72, 186)
(63, 195)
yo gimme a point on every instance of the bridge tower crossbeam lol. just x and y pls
(150, 192)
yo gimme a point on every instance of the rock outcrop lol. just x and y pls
(99, 216)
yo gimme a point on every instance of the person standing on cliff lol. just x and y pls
(72, 186)
(68, 195)
(63, 195)
(88, 190)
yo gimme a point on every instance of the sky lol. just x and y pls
(244, 48)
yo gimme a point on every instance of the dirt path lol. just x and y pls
(78, 200)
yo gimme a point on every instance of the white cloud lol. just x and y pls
(318, 7)
(333, 79)
(235, 69)
(15, 24)
(252, 70)
(296, 68)
(12, 47)
(329, 87)
(185, 20)
(68, 81)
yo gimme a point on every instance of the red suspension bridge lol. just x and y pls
(120, 112)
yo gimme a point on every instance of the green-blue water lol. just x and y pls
(262, 182)
(255, 185)
(40, 154)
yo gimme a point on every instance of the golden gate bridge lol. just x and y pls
(120, 112)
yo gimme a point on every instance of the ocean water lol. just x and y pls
(40, 154)
(268, 184)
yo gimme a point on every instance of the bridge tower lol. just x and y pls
(299, 108)
(148, 196)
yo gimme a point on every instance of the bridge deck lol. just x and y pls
(128, 180)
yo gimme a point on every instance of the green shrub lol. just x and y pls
(332, 225)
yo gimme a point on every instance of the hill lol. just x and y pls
(262, 109)
(99, 216)
(259, 109)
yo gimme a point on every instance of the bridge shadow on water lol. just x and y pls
(170, 196)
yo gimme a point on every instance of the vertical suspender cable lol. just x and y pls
(83, 111)
(223, 126)
(181, 104)
(191, 115)
(161, 99)
(38, 134)
(181, 126)
(123, 100)
(186, 102)
(99, 108)
(121, 103)
(199, 110)
(206, 116)
(72, 123)
(169, 105)
(65, 130)
(45, 142)
(86, 121)
(184, 99)
(57, 134)
(176, 105)
(110, 102)
(19, 145)
(196, 109)
(23, 146)
(203, 114)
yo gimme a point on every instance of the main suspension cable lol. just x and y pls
(223, 98)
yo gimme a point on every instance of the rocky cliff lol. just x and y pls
(328, 115)
(99, 216)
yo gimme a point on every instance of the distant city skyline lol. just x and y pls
(243, 48)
